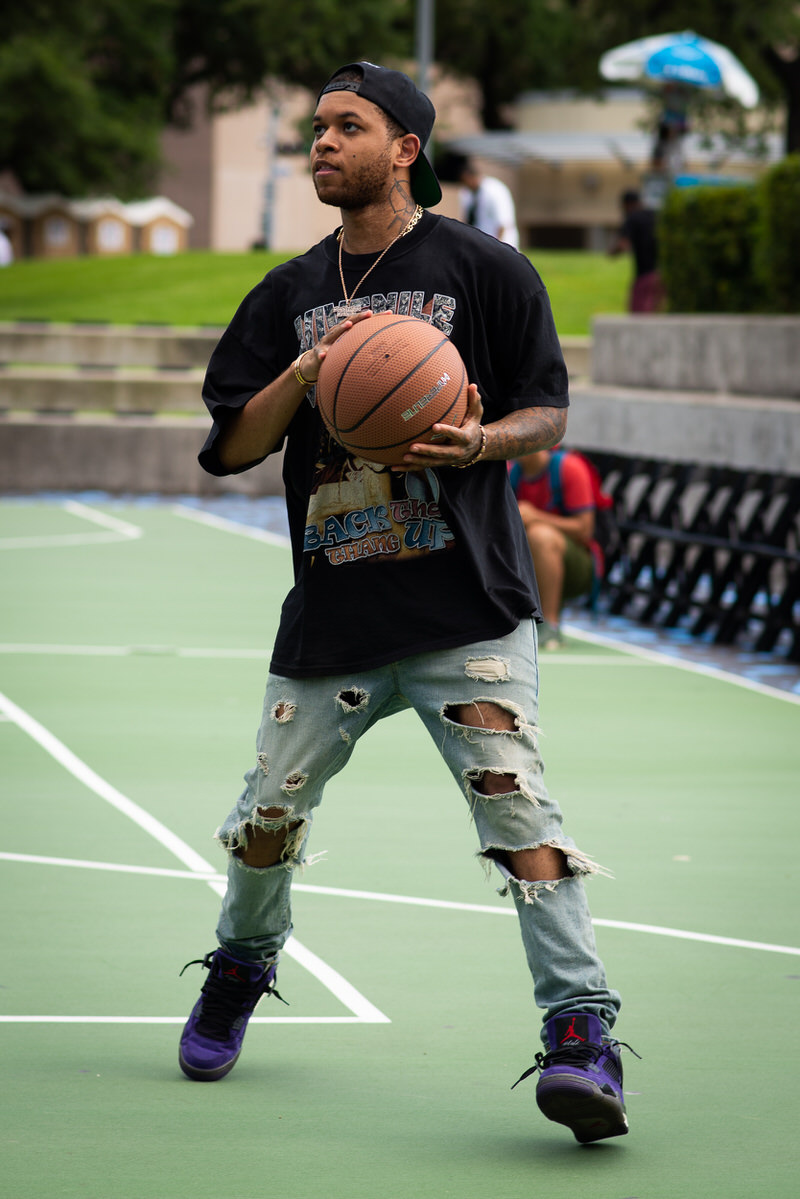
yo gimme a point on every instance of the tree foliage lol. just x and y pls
(88, 86)
(81, 87)
(508, 46)
(511, 46)
(233, 46)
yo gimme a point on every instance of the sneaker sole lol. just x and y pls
(198, 1075)
(583, 1107)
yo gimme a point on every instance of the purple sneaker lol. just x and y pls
(213, 1035)
(581, 1078)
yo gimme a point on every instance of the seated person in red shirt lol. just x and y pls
(556, 502)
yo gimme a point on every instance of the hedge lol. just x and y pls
(778, 235)
(734, 248)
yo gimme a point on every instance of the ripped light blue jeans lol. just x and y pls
(309, 729)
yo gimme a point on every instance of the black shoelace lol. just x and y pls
(225, 1000)
(572, 1055)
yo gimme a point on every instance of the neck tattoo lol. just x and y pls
(348, 309)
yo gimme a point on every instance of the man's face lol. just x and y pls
(351, 158)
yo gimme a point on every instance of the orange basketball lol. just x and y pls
(384, 383)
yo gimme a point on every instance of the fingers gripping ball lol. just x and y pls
(384, 383)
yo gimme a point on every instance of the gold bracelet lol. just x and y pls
(478, 456)
(299, 375)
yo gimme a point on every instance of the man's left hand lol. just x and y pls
(453, 445)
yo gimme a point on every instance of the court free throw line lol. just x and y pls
(409, 900)
(262, 655)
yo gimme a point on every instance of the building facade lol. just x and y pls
(243, 174)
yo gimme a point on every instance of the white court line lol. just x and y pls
(660, 658)
(358, 1004)
(209, 876)
(57, 541)
(82, 651)
(84, 774)
(121, 651)
(104, 519)
(115, 530)
(230, 526)
(410, 900)
(178, 1020)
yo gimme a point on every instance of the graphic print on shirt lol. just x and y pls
(361, 511)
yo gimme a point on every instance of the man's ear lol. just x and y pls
(408, 148)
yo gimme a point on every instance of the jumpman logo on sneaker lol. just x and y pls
(572, 1033)
(233, 973)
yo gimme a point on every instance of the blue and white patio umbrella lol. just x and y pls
(681, 58)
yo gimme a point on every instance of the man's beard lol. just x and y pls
(368, 185)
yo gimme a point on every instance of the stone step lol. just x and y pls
(62, 344)
(737, 355)
(577, 355)
(25, 343)
(119, 390)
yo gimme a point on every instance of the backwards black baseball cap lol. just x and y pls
(398, 96)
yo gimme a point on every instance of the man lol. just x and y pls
(556, 502)
(487, 204)
(637, 236)
(437, 617)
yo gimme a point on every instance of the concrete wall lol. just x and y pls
(740, 355)
(718, 389)
(721, 430)
(138, 455)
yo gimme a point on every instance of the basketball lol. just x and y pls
(384, 384)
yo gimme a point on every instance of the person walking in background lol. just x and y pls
(637, 236)
(6, 248)
(487, 204)
(556, 501)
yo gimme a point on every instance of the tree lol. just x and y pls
(233, 46)
(766, 38)
(508, 46)
(88, 86)
(81, 87)
(514, 45)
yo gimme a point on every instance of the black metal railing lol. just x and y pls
(712, 550)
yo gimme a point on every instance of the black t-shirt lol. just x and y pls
(388, 566)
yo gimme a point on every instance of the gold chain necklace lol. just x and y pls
(348, 309)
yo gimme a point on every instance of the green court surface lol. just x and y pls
(135, 642)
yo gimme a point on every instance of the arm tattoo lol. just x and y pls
(527, 430)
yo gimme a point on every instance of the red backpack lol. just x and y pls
(606, 529)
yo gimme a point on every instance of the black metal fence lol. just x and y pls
(708, 549)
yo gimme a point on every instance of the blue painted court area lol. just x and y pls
(134, 645)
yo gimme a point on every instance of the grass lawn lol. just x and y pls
(203, 288)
